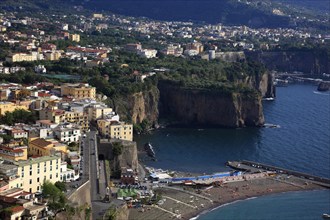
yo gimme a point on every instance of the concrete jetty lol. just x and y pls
(251, 166)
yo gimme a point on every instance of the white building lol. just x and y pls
(67, 175)
(67, 134)
(147, 53)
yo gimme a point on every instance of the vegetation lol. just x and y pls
(117, 149)
(61, 186)
(57, 201)
(18, 116)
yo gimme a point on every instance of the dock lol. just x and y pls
(253, 167)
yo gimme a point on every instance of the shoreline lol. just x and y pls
(191, 202)
(218, 206)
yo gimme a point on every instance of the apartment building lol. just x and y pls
(14, 153)
(34, 171)
(67, 134)
(42, 147)
(115, 129)
(74, 37)
(97, 111)
(10, 107)
(58, 116)
(78, 91)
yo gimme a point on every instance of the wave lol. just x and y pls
(321, 93)
(221, 206)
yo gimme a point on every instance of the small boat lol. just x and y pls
(326, 216)
(150, 150)
(271, 126)
(269, 99)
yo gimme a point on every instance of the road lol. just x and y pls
(99, 207)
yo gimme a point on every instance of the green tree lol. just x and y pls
(117, 149)
(61, 186)
(56, 198)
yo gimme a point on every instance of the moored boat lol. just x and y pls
(326, 216)
(150, 150)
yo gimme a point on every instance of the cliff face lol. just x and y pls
(144, 105)
(289, 61)
(324, 86)
(263, 83)
(139, 106)
(201, 107)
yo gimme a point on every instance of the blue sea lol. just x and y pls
(302, 142)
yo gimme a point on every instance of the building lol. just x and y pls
(17, 133)
(52, 55)
(147, 53)
(67, 134)
(133, 47)
(42, 147)
(10, 107)
(75, 37)
(115, 129)
(55, 115)
(78, 91)
(20, 57)
(99, 16)
(35, 171)
(66, 174)
(98, 111)
(15, 153)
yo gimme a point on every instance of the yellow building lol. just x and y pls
(78, 91)
(98, 111)
(53, 55)
(10, 107)
(97, 15)
(20, 57)
(78, 118)
(115, 129)
(57, 116)
(13, 152)
(42, 147)
(75, 37)
(34, 171)
(52, 113)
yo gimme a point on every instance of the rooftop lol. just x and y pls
(31, 161)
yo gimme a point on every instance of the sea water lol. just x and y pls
(302, 143)
(292, 205)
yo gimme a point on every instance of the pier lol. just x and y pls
(251, 166)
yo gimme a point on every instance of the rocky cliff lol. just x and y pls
(193, 106)
(204, 107)
(315, 62)
(139, 106)
(324, 86)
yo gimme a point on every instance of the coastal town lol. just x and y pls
(66, 149)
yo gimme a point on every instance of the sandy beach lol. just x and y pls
(186, 203)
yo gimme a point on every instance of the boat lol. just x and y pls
(267, 125)
(269, 99)
(326, 216)
(150, 150)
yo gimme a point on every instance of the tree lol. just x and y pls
(117, 149)
(61, 186)
(56, 198)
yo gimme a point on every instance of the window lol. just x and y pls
(56, 175)
(38, 180)
(30, 172)
(50, 176)
(30, 181)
